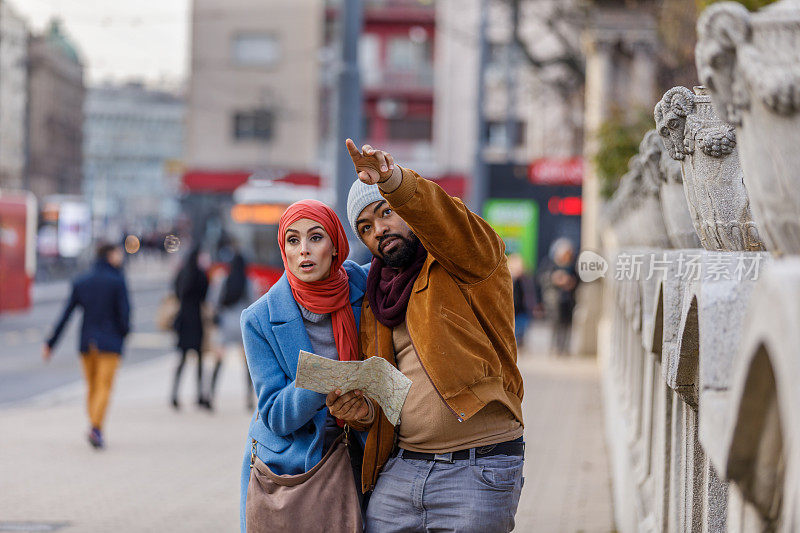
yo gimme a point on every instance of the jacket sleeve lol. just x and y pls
(123, 309)
(283, 408)
(461, 241)
(68, 309)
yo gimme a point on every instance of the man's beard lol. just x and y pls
(403, 253)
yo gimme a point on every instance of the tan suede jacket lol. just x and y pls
(460, 315)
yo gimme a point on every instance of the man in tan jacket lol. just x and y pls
(439, 307)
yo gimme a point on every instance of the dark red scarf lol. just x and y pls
(388, 290)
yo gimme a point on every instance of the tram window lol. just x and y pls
(259, 243)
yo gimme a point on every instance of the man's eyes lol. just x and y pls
(387, 211)
(365, 228)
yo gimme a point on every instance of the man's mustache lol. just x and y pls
(384, 238)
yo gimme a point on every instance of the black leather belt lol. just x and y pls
(511, 447)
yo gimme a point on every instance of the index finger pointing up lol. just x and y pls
(352, 148)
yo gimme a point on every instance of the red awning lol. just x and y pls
(227, 181)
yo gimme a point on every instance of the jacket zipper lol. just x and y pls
(458, 417)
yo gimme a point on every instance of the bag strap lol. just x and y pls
(345, 437)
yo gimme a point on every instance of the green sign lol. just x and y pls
(517, 222)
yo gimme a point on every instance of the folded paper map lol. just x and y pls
(376, 377)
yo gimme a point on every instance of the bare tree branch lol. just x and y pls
(571, 58)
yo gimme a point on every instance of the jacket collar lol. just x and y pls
(422, 279)
(102, 264)
(281, 293)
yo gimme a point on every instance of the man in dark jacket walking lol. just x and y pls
(103, 297)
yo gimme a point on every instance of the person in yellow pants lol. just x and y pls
(99, 369)
(103, 297)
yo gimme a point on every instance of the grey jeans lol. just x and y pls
(479, 494)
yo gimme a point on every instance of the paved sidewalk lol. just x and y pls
(162, 470)
(567, 481)
(178, 471)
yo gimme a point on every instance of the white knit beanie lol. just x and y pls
(359, 197)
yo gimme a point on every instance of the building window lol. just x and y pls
(410, 129)
(256, 124)
(255, 50)
(405, 54)
(497, 134)
(369, 57)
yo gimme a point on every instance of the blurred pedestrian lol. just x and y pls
(103, 297)
(191, 286)
(559, 281)
(234, 297)
(522, 314)
(314, 306)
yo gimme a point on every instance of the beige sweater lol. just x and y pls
(428, 425)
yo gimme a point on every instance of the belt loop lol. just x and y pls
(472, 456)
(443, 458)
(400, 453)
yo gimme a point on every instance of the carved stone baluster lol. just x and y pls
(713, 181)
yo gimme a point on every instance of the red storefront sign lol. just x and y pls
(556, 171)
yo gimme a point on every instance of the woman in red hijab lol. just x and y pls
(315, 306)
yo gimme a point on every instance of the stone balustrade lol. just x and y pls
(700, 334)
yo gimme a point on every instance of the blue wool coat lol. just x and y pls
(289, 423)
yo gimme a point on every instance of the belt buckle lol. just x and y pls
(443, 457)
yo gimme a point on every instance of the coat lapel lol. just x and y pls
(287, 325)
(292, 337)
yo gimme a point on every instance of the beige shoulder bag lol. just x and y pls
(322, 499)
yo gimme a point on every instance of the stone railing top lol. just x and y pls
(740, 54)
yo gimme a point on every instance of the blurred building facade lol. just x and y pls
(133, 145)
(253, 97)
(261, 104)
(396, 63)
(528, 116)
(13, 97)
(55, 114)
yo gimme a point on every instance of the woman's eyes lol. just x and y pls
(313, 238)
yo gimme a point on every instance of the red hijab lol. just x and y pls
(330, 295)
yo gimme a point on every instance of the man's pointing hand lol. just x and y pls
(372, 166)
